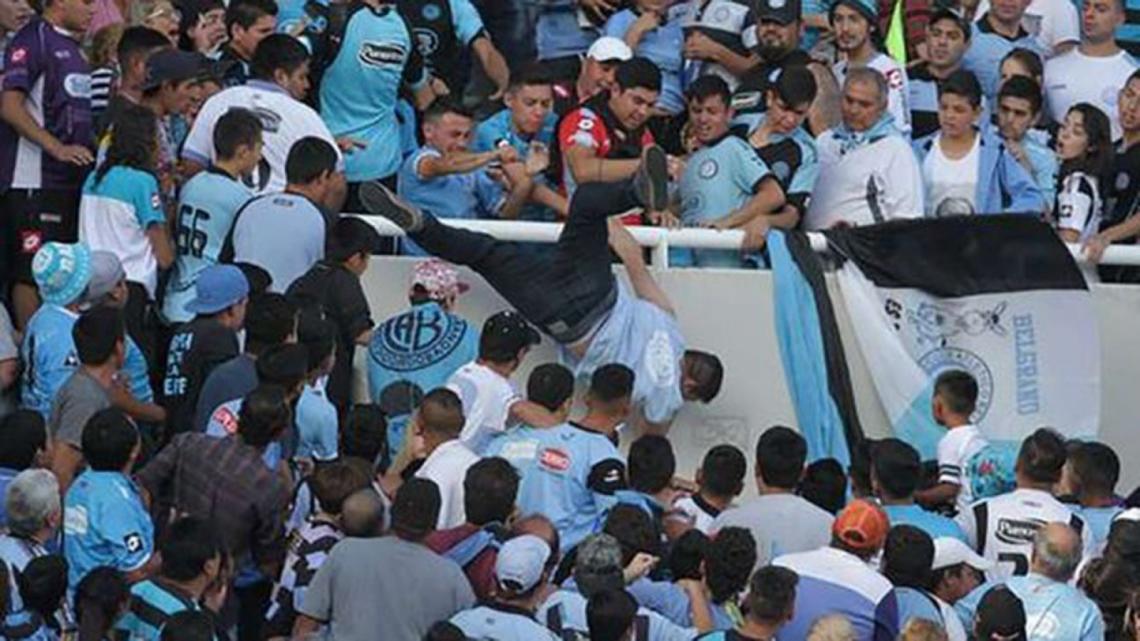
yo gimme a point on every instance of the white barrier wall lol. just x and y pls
(729, 313)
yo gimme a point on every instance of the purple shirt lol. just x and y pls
(49, 68)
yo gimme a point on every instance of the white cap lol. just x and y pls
(949, 551)
(521, 561)
(608, 48)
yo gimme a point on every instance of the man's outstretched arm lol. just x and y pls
(644, 285)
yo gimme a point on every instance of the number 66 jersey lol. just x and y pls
(1001, 528)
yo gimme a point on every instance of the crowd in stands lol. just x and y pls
(181, 456)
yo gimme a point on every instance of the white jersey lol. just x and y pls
(284, 120)
(1075, 77)
(871, 184)
(487, 399)
(1051, 22)
(898, 98)
(1001, 528)
(955, 449)
(698, 511)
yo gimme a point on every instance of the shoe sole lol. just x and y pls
(655, 167)
(379, 201)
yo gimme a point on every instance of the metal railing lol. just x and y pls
(658, 240)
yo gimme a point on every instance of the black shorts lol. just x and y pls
(33, 217)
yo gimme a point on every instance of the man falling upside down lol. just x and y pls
(569, 290)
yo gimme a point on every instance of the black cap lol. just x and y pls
(1001, 612)
(781, 11)
(948, 13)
(173, 65)
(504, 334)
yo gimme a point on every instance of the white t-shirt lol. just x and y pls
(699, 513)
(1053, 22)
(950, 179)
(899, 95)
(873, 183)
(447, 466)
(954, 451)
(1001, 528)
(1075, 77)
(487, 399)
(284, 120)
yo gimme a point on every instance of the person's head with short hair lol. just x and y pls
(1041, 459)
(687, 555)
(24, 436)
(722, 471)
(959, 104)
(312, 169)
(365, 434)
(33, 505)
(634, 531)
(489, 491)
(134, 145)
(864, 99)
(610, 393)
(955, 398)
(43, 584)
(248, 23)
(1100, 20)
(729, 559)
(440, 417)
(860, 529)
(1008, 13)
(447, 127)
(855, 23)
(600, 66)
(833, 627)
(908, 556)
(637, 84)
(947, 39)
(651, 464)
(1084, 142)
(610, 615)
(702, 374)
(270, 320)
(530, 98)
(551, 385)
(188, 625)
(171, 87)
(710, 108)
(1000, 616)
(99, 336)
(1128, 104)
(110, 441)
(238, 141)
(1096, 470)
(362, 514)
(917, 629)
(191, 552)
(506, 339)
(780, 456)
(265, 415)
(1056, 552)
(134, 47)
(283, 60)
(825, 485)
(416, 509)
(1019, 103)
(522, 571)
(351, 243)
(101, 597)
(896, 470)
(1021, 62)
(444, 631)
(318, 335)
(771, 599)
(284, 365)
(790, 98)
(334, 482)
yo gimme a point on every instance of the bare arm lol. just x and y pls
(533, 414)
(65, 462)
(824, 113)
(459, 162)
(519, 188)
(547, 197)
(586, 168)
(305, 625)
(15, 113)
(423, 97)
(640, 278)
(161, 246)
(493, 64)
(188, 168)
(937, 495)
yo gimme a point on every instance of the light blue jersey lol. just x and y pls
(719, 178)
(1099, 521)
(501, 623)
(500, 129)
(413, 353)
(569, 473)
(987, 48)
(469, 195)
(205, 214)
(565, 611)
(48, 352)
(1054, 611)
(663, 47)
(105, 523)
(359, 91)
(932, 523)
(316, 424)
(152, 603)
(223, 422)
(558, 32)
(646, 339)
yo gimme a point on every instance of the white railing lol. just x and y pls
(659, 239)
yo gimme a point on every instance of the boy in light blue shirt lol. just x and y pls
(895, 473)
(317, 421)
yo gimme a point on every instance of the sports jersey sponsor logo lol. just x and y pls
(520, 450)
(1016, 532)
(155, 201)
(77, 85)
(19, 55)
(133, 542)
(225, 417)
(30, 241)
(418, 340)
(586, 124)
(554, 459)
(378, 54)
(708, 169)
(427, 41)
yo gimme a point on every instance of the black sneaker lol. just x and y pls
(651, 181)
(380, 201)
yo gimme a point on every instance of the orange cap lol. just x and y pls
(862, 525)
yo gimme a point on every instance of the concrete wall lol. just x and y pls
(729, 312)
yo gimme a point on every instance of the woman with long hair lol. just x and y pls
(1084, 150)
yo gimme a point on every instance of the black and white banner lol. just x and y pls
(997, 296)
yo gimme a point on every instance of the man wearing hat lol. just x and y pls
(419, 349)
(947, 39)
(595, 74)
(171, 76)
(522, 571)
(838, 578)
(956, 571)
(855, 23)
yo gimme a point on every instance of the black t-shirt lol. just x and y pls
(1123, 199)
(195, 350)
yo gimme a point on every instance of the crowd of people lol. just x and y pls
(181, 454)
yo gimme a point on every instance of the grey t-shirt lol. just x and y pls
(78, 400)
(385, 588)
(781, 524)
